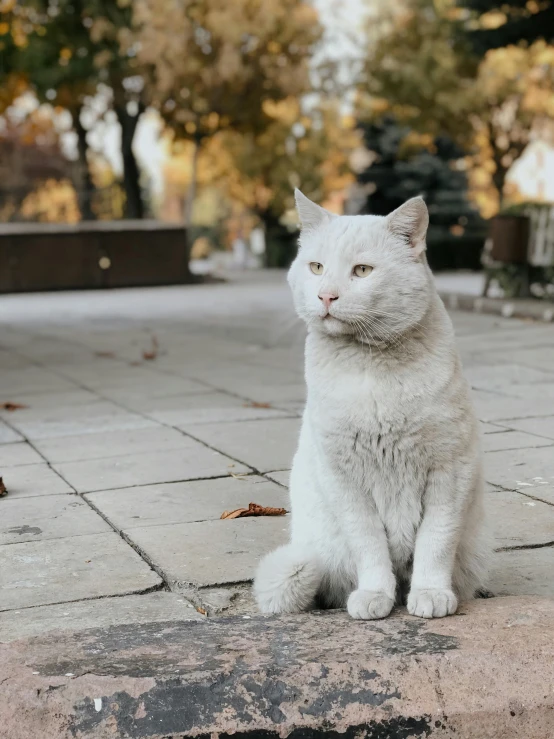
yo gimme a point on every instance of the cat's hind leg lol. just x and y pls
(287, 581)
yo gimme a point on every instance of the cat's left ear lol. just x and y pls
(410, 222)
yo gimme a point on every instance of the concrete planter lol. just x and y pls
(91, 254)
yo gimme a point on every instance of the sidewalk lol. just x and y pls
(150, 412)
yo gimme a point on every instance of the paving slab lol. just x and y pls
(505, 376)
(102, 613)
(98, 417)
(211, 552)
(38, 402)
(281, 476)
(495, 407)
(192, 461)
(12, 455)
(324, 675)
(8, 435)
(111, 444)
(62, 570)
(30, 481)
(518, 521)
(512, 439)
(47, 517)
(530, 471)
(523, 572)
(264, 445)
(206, 408)
(184, 502)
(32, 380)
(539, 426)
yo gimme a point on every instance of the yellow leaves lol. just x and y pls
(286, 111)
(103, 58)
(100, 29)
(493, 19)
(53, 201)
(4, 29)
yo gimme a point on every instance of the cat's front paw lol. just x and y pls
(369, 604)
(432, 603)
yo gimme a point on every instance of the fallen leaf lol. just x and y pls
(238, 477)
(254, 404)
(105, 355)
(3, 489)
(12, 406)
(88, 560)
(154, 352)
(202, 611)
(254, 509)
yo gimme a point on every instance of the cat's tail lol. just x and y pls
(287, 581)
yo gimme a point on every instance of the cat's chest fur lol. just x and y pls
(374, 424)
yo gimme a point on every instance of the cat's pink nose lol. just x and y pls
(327, 299)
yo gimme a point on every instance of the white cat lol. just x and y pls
(386, 486)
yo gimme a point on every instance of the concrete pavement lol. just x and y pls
(149, 412)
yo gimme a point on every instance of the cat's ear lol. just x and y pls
(311, 215)
(410, 222)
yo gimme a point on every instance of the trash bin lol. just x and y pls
(510, 239)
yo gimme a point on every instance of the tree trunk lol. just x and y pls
(86, 186)
(280, 243)
(191, 194)
(134, 206)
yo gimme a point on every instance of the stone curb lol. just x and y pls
(487, 672)
(516, 308)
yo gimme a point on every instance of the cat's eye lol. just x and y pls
(362, 270)
(316, 268)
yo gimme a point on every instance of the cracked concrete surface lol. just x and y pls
(119, 467)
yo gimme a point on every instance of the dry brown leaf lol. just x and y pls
(3, 489)
(154, 351)
(105, 355)
(254, 404)
(202, 611)
(12, 406)
(254, 509)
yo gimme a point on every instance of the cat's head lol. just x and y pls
(364, 276)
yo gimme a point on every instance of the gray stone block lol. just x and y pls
(62, 570)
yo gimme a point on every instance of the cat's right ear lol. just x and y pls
(311, 215)
(410, 222)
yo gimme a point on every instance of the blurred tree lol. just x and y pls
(13, 36)
(405, 164)
(502, 23)
(309, 151)
(31, 160)
(215, 65)
(422, 71)
(75, 45)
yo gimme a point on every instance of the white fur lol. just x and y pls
(386, 485)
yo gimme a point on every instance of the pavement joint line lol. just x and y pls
(166, 482)
(504, 489)
(96, 510)
(143, 591)
(160, 423)
(520, 547)
(529, 446)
